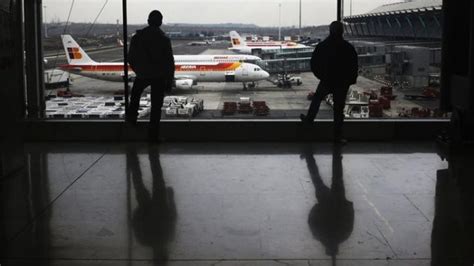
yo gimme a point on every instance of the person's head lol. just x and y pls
(155, 18)
(336, 29)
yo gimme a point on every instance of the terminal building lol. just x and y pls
(399, 42)
(408, 20)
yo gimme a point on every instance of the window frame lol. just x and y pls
(236, 129)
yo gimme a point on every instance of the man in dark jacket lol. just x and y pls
(335, 64)
(151, 58)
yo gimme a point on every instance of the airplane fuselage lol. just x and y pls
(240, 45)
(189, 69)
(211, 72)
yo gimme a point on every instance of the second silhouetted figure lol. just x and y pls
(151, 58)
(334, 62)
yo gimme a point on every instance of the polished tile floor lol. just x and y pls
(237, 204)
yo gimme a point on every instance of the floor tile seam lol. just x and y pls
(386, 241)
(416, 207)
(50, 204)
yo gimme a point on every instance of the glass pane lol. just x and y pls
(83, 58)
(243, 59)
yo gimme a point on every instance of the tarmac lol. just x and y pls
(284, 103)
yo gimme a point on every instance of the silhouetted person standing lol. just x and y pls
(151, 58)
(331, 220)
(154, 219)
(335, 64)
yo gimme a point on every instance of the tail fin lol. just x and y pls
(119, 42)
(236, 39)
(74, 53)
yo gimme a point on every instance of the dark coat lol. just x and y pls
(335, 62)
(151, 54)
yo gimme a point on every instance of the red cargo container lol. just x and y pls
(375, 109)
(229, 108)
(261, 108)
(385, 103)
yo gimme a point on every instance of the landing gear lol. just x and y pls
(249, 85)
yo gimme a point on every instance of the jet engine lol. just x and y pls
(184, 83)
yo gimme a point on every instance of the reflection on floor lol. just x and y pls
(235, 204)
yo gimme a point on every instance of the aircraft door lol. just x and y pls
(230, 77)
(245, 72)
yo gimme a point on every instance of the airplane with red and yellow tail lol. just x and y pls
(190, 69)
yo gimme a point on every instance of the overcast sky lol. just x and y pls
(259, 12)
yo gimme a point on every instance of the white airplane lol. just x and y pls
(202, 43)
(241, 46)
(189, 70)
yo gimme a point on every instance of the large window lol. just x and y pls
(263, 72)
(399, 47)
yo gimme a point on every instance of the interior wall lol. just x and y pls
(11, 89)
(457, 71)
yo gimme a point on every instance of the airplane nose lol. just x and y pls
(265, 74)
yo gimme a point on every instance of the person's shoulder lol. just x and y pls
(145, 32)
(348, 44)
(163, 35)
(138, 33)
(157, 33)
(321, 45)
(323, 42)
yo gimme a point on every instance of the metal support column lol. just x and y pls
(362, 29)
(346, 28)
(412, 26)
(359, 28)
(125, 54)
(367, 23)
(382, 28)
(340, 10)
(471, 59)
(20, 54)
(391, 32)
(400, 31)
(423, 25)
(34, 59)
(351, 28)
(372, 21)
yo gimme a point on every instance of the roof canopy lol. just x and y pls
(408, 5)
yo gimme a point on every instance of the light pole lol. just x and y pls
(45, 23)
(279, 21)
(351, 8)
(300, 20)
